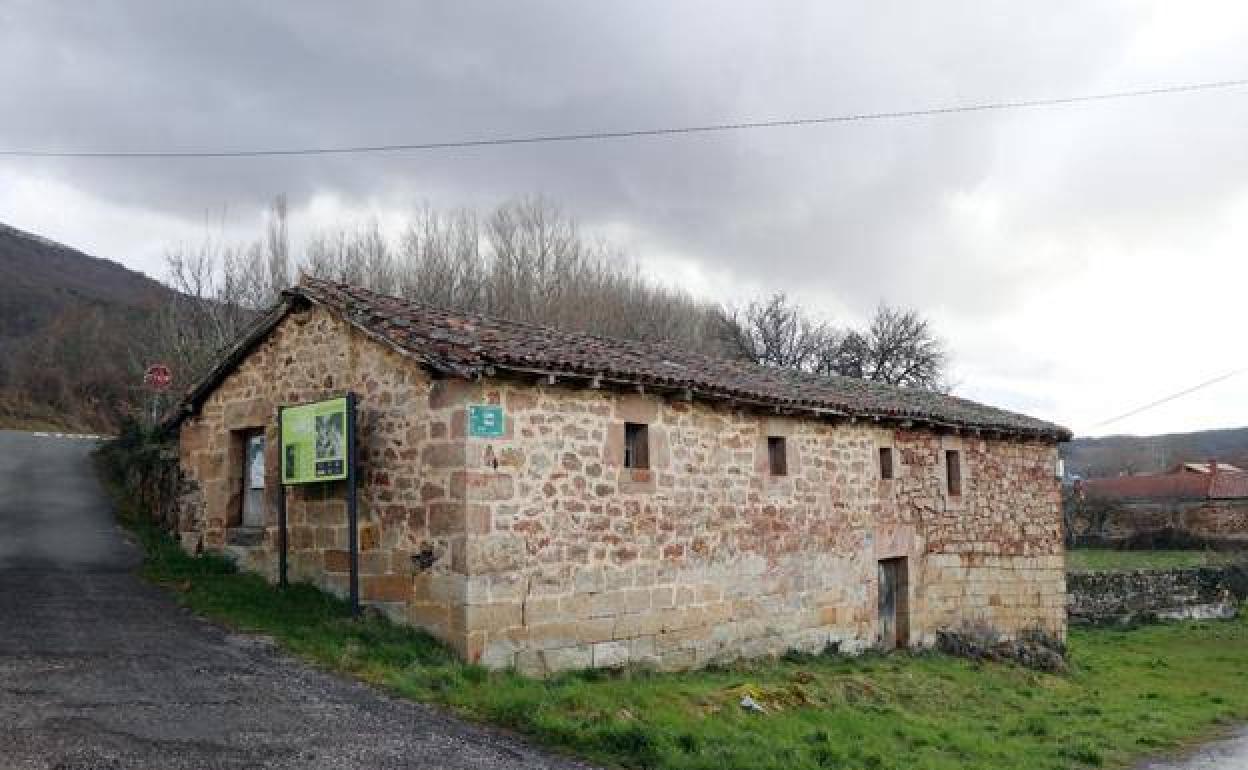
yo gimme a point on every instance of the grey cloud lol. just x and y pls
(856, 212)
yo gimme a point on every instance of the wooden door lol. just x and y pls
(893, 623)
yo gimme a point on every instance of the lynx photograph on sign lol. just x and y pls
(485, 421)
(314, 442)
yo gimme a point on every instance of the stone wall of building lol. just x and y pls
(540, 550)
(577, 561)
(407, 510)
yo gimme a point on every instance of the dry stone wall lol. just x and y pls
(1163, 523)
(539, 549)
(1142, 595)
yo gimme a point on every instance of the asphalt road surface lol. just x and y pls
(100, 671)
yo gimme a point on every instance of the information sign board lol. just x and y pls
(314, 442)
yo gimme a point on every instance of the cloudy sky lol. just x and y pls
(1080, 260)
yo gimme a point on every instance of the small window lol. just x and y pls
(886, 462)
(636, 445)
(953, 471)
(776, 457)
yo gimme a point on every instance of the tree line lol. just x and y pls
(525, 260)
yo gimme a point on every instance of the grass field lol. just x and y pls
(1130, 692)
(1109, 560)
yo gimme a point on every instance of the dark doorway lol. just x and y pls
(893, 604)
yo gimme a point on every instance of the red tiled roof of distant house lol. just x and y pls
(1169, 486)
(1225, 486)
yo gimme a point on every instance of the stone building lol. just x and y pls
(1192, 503)
(642, 504)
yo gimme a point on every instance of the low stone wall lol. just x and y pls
(1219, 524)
(1124, 597)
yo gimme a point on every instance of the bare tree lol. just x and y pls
(778, 332)
(897, 348)
(218, 290)
(526, 260)
(277, 248)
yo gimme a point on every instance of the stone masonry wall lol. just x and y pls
(1219, 523)
(575, 561)
(1127, 596)
(539, 550)
(408, 515)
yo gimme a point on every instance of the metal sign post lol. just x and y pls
(282, 580)
(353, 516)
(157, 378)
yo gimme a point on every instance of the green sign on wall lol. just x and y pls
(314, 442)
(485, 421)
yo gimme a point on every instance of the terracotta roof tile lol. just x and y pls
(1225, 486)
(1160, 486)
(469, 345)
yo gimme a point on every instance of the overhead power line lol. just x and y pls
(500, 141)
(1169, 398)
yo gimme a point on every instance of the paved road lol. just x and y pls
(99, 671)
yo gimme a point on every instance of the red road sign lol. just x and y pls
(158, 377)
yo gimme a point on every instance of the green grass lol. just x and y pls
(1130, 693)
(1110, 560)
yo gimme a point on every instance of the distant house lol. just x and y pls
(621, 501)
(1210, 468)
(1203, 501)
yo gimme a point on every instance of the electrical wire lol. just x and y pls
(1169, 398)
(502, 141)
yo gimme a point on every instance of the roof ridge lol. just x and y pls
(533, 324)
(656, 344)
(439, 337)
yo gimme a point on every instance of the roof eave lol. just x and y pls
(1054, 433)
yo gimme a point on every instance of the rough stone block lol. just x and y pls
(482, 486)
(491, 617)
(637, 408)
(446, 518)
(386, 588)
(337, 560)
(610, 654)
(568, 658)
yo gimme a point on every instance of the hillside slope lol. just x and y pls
(1112, 455)
(66, 323)
(40, 279)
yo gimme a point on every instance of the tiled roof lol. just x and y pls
(1150, 486)
(470, 345)
(1204, 468)
(1228, 486)
(1176, 485)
